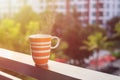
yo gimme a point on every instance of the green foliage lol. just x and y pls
(25, 15)
(117, 28)
(9, 33)
(14, 32)
(59, 52)
(114, 31)
(12, 36)
(71, 31)
(111, 25)
(68, 29)
(116, 37)
(32, 28)
(116, 53)
(96, 42)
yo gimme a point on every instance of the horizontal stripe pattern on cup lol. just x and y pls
(40, 43)
(41, 57)
(40, 47)
(40, 39)
(39, 54)
(40, 51)
(40, 61)
(44, 66)
(46, 46)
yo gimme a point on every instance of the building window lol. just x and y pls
(93, 14)
(107, 13)
(119, 6)
(118, 13)
(79, 0)
(94, 5)
(79, 6)
(93, 21)
(107, 5)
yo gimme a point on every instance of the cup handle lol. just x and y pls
(58, 41)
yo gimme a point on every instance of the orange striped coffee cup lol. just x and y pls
(40, 45)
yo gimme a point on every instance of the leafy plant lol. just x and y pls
(60, 51)
(116, 51)
(96, 42)
(12, 36)
(111, 25)
(9, 31)
(117, 28)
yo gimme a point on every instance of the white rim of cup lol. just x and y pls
(40, 36)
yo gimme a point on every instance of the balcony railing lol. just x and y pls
(20, 65)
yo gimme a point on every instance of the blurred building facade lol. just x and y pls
(9, 7)
(91, 11)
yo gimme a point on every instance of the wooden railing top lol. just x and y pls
(56, 70)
